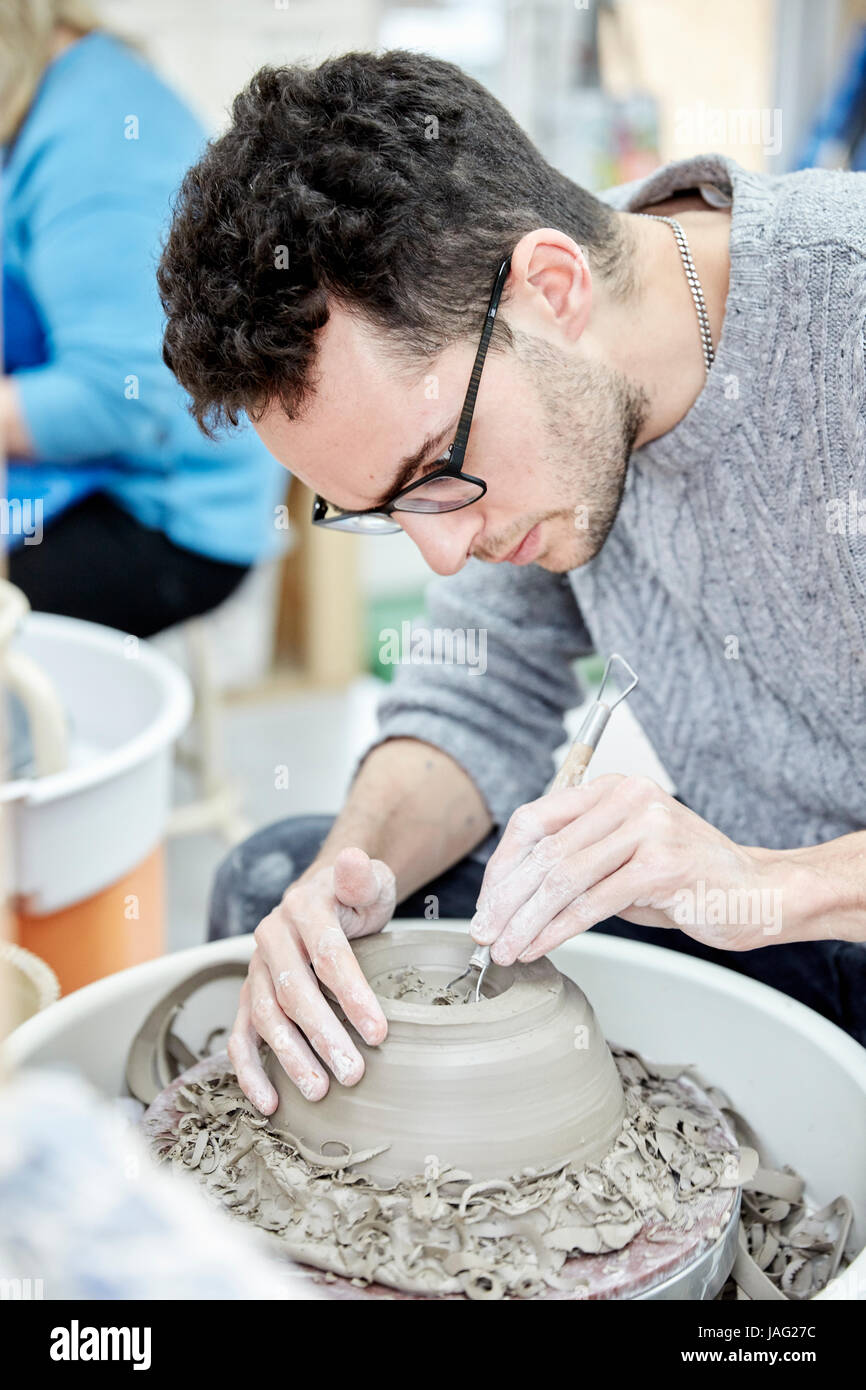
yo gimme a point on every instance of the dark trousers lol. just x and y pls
(97, 562)
(829, 976)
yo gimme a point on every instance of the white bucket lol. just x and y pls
(799, 1080)
(77, 831)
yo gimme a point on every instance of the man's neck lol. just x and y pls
(652, 334)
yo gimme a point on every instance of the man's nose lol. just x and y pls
(444, 538)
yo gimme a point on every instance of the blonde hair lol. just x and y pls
(27, 29)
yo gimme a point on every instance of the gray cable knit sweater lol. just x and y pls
(734, 578)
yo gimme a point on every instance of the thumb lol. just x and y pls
(356, 882)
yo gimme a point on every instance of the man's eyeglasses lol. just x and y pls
(446, 489)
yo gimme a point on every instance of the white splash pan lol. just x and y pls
(75, 832)
(798, 1079)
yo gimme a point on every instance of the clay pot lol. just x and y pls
(524, 1078)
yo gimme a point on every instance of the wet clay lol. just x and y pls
(523, 1078)
(408, 983)
(670, 1169)
(447, 1231)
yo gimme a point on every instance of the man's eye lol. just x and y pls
(439, 462)
(432, 466)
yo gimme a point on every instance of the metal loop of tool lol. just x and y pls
(631, 680)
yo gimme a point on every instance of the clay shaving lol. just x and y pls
(786, 1251)
(444, 1232)
(409, 983)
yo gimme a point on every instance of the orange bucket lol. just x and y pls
(122, 925)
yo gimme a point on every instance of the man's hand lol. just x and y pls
(302, 942)
(621, 846)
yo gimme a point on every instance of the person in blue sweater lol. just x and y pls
(118, 509)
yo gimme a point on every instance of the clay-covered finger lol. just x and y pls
(533, 822)
(288, 941)
(316, 922)
(244, 1055)
(365, 890)
(355, 882)
(608, 898)
(297, 996)
(514, 886)
(565, 882)
(336, 965)
(292, 1050)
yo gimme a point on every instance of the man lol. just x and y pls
(666, 458)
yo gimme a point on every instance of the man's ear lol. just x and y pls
(550, 286)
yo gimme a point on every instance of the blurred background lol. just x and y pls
(285, 671)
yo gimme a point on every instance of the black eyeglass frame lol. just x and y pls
(453, 468)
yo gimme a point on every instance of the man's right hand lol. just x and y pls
(302, 942)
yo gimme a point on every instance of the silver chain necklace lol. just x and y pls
(694, 285)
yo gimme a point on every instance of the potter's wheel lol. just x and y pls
(491, 1149)
(658, 1264)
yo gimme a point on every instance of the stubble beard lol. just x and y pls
(592, 417)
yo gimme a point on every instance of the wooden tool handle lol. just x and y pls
(573, 768)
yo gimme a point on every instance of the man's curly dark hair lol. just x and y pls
(392, 183)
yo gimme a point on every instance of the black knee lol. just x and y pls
(253, 877)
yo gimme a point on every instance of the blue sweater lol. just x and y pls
(85, 210)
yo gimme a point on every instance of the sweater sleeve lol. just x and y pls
(498, 713)
(93, 226)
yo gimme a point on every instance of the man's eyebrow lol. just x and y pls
(411, 463)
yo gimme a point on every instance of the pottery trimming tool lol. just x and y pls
(571, 773)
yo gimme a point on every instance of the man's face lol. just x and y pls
(551, 435)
